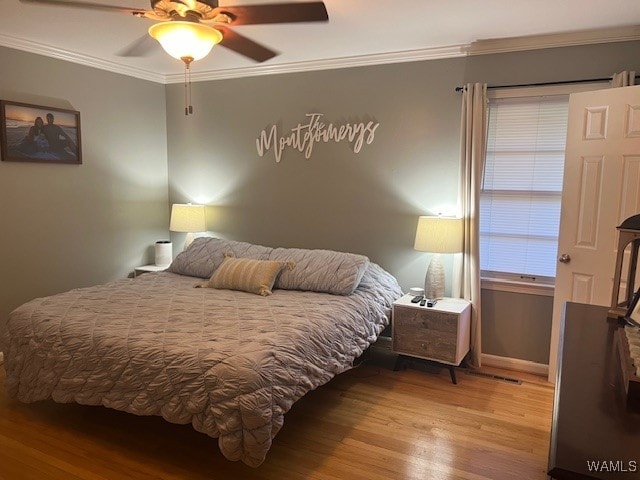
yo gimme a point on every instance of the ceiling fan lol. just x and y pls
(188, 29)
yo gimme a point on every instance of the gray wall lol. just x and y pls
(369, 202)
(516, 325)
(67, 226)
(553, 64)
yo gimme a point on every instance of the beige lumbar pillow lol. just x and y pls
(247, 275)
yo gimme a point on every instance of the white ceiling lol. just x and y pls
(358, 32)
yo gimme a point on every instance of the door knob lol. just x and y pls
(564, 258)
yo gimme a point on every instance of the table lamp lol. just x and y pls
(188, 218)
(437, 235)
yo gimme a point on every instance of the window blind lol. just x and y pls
(522, 186)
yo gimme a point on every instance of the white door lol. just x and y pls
(601, 188)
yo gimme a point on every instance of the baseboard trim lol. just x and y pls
(516, 364)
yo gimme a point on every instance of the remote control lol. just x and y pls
(417, 298)
(431, 303)
(422, 302)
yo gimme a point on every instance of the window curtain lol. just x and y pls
(473, 134)
(623, 79)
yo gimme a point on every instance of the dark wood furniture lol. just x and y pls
(594, 435)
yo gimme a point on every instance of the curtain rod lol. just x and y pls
(543, 84)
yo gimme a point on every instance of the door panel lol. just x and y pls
(595, 126)
(633, 121)
(588, 206)
(630, 187)
(601, 187)
(582, 290)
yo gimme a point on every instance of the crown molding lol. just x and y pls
(479, 47)
(553, 40)
(60, 54)
(326, 64)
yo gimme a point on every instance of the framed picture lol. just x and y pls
(32, 133)
(632, 316)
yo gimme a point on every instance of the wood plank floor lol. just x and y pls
(369, 423)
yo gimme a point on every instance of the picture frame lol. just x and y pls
(35, 133)
(632, 317)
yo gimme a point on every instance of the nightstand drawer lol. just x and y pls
(430, 344)
(439, 333)
(413, 319)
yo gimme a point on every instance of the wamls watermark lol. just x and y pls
(618, 466)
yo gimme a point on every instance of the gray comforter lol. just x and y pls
(230, 363)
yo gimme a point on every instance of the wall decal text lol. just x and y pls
(304, 136)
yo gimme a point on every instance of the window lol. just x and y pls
(522, 188)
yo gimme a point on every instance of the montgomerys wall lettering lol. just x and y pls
(304, 136)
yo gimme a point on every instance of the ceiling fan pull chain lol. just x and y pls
(188, 109)
(186, 96)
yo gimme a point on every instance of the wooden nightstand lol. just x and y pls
(440, 333)
(149, 268)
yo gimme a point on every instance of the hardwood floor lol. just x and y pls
(369, 423)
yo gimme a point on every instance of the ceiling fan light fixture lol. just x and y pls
(185, 39)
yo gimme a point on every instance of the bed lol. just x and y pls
(229, 362)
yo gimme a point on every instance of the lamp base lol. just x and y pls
(434, 281)
(189, 240)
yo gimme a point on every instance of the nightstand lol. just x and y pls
(149, 268)
(440, 333)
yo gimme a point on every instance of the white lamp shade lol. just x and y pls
(439, 235)
(188, 218)
(185, 39)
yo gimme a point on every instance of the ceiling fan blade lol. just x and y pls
(140, 47)
(276, 13)
(245, 46)
(88, 6)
